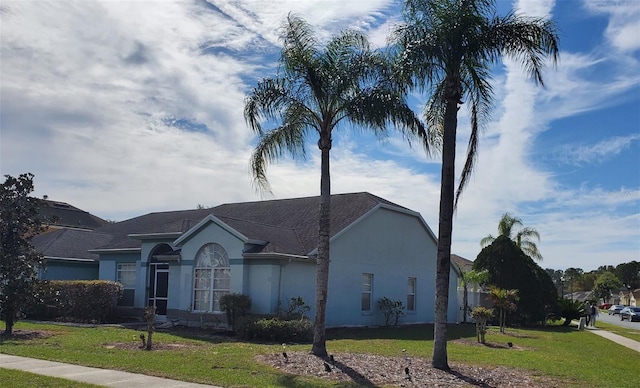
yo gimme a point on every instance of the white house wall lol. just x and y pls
(392, 246)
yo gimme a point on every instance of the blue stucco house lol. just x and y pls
(183, 262)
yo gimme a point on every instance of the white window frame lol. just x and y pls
(210, 273)
(412, 282)
(367, 290)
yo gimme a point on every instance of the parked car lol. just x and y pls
(604, 306)
(630, 313)
(615, 309)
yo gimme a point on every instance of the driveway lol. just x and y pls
(615, 320)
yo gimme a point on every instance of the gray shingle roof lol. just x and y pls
(288, 225)
(461, 262)
(64, 215)
(69, 243)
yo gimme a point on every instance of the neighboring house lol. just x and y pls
(476, 296)
(581, 296)
(183, 262)
(629, 298)
(66, 241)
(61, 215)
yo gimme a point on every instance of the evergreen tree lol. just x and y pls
(19, 262)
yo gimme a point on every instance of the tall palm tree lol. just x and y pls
(522, 238)
(448, 47)
(317, 89)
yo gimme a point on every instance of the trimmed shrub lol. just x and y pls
(76, 300)
(236, 306)
(260, 328)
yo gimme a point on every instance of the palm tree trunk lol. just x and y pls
(319, 347)
(465, 302)
(445, 227)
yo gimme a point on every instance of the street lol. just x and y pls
(615, 319)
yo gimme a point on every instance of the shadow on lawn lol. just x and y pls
(422, 332)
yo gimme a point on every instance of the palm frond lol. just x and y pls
(487, 241)
(528, 40)
(266, 102)
(288, 138)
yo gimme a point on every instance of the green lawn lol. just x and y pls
(578, 358)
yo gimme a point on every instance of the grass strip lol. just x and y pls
(576, 357)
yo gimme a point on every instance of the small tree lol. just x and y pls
(605, 284)
(296, 309)
(468, 278)
(19, 262)
(481, 315)
(150, 318)
(504, 300)
(391, 309)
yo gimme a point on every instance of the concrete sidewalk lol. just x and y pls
(624, 341)
(104, 377)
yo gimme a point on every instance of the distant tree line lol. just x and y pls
(621, 276)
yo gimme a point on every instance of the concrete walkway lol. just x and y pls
(624, 341)
(104, 377)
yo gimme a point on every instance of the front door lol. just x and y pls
(159, 289)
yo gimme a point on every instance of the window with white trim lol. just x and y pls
(126, 275)
(367, 291)
(411, 294)
(211, 278)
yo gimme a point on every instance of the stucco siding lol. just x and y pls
(299, 280)
(264, 285)
(65, 270)
(378, 244)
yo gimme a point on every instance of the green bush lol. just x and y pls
(236, 306)
(260, 328)
(76, 300)
(569, 310)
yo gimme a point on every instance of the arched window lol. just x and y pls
(212, 277)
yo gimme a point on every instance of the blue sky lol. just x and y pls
(123, 108)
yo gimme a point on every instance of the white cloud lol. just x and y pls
(91, 92)
(595, 153)
(623, 30)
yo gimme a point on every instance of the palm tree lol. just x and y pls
(316, 90)
(504, 300)
(468, 278)
(449, 46)
(522, 237)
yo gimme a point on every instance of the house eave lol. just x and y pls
(277, 256)
(114, 250)
(155, 236)
(76, 259)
